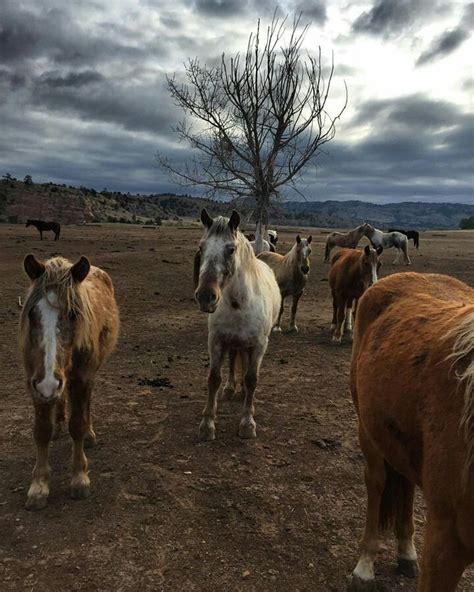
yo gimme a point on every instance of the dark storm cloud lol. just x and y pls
(74, 79)
(443, 45)
(312, 10)
(412, 112)
(220, 8)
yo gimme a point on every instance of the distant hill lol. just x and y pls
(77, 205)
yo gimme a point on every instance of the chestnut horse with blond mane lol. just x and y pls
(349, 239)
(352, 272)
(291, 272)
(241, 295)
(412, 382)
(69, 325)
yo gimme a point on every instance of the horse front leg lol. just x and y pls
(60, 415)
(90, 438)
(207, 427)
(38, 492)
(229, 387)
(294, 306)
(444, 558)
(248, 426)
(404, 531)
(80, 391)
(277, 326)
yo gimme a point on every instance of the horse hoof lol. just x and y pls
(357, 584)
(248, 430)
(337, 340)
(293, 329)
(37, 502)
(207, 432)
(90, 440)
(407, 567)
(79, 492)
(276, 329)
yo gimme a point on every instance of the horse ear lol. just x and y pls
(379, 250)
(206, 219)
(310, 238)
(234, 220)
(197, 267)
(33, 268)
(367, 250)
(298, 238)
(80, 269)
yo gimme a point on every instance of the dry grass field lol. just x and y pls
(167, 512)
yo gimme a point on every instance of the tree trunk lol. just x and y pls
(261, 223)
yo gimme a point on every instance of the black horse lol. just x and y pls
(42, 226)
(414, 234)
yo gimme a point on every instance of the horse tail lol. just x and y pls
(397, 499)
(328, 250)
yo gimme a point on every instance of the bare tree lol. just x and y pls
(261, 118)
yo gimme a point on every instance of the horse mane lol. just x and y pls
(464, 347)
(73, 297)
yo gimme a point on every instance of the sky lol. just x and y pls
(84, 99)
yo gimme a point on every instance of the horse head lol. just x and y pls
(215, 261)
(303, 251)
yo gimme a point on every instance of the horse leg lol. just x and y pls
(396, 261)
(277, 326)
(90, 438)
(444, 558)
(363, 577)
(229, 388)
(294, 306)
(207, 428)
(60, 415)
(334, 313)
(405, 254)
(341, 311)
(253, 357)
(43, 432)
(404, 531)
(80, 391)
(41, 234)
(348, 318)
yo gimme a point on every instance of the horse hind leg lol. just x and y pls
(405, 254)
(363, 576)
(229, 387)
(341, 311)
(334, 313)
(207, 427)
(405, 530)
(348, 319)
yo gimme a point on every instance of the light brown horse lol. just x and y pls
(412, 382)
(349, 239)
(352, 272)
(69, 325)
(291, 272)
(241, 295)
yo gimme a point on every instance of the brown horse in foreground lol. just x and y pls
(348, 240)
(352, 272)
(291, 272)
(412, 382)
(69, 325)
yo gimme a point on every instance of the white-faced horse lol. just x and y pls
(242, 297)
(387, 240)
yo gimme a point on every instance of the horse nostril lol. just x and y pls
(212, 297)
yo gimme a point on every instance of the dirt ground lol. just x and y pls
(281, 513)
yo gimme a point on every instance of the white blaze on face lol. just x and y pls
(374, 272)
(213, 259)
(49, 327)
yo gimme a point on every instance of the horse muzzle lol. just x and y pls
(47, 391)
(207, 300)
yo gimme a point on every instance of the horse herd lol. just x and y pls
(412, 374)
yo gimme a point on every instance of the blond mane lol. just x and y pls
(463, 348)
(72, 297)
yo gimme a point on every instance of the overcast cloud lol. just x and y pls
(83, 96)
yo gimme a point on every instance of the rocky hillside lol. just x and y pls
(71, 205)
